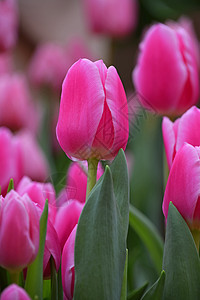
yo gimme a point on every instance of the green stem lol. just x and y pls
(54, 281)
(14, 277)
(92, 175)
(196, 237)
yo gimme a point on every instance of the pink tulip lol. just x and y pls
(19, 231)
(31, 159)
(6, 64)
(66, 218)
(112, 17)
(93, 117)
(184, 129)
(8, 24)
(14, 292)
(17, 109)
(38, 193)
(8, 159)
(183, 186)
(76, 183)
(67, 265)
(49, 65)
(166, 74)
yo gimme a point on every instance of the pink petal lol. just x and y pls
(169, 139)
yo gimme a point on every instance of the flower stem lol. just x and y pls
(14, 277)
(92, 174)
(196, 237)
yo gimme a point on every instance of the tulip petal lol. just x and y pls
(160, 59)
(117, 104)
(183, 186)
(81, 108)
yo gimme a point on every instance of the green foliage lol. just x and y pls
(156, 291)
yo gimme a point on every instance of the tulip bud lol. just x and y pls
(183, 186)
(19, 231)
(184, 129)
(67, 265)
(93, 116)
(14, 292)
(166, 74)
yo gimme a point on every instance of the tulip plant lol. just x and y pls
(74, 243)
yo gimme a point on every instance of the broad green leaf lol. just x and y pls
(124, 283)
(11, 185)
(34, 278)
(137, 294)
(181, 260)
(156, 291)
(148, 234)
(100, 247)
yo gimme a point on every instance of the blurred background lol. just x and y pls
(51, 36)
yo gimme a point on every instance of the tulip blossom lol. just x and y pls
(93, 116)
(31, 159)
(76, 183)
(38, 193)
(14, 292)
(19, 231)
(166, 75)
(184, 129)
(8, 159)
(48, 66)
(112, 17)
(183, 186)
(8, 24)
(67, 265)
(17, 109)
(6, 64)
(66, 218)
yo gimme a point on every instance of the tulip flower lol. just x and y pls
(66, 219)
(38, 193)
(27, 147)
(93, 116)
(183, 186)
(19, 231)
(166, 74)
(14, 292)
(67, 265)
(17, 109)
(184, 129)
(8, 24)
(76, 183)
(8, 159)
(112, 17)
(6, 64)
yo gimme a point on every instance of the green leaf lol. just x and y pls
(181, 260)
(156, 291)
(11, 185)
(137, 294)
(54, 280)
(34, 278)
(148, 234)
(100, 247)
(124, 283)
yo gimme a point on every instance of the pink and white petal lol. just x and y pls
(102, 70)
(117, 104)
(183, 186)
(81, 109)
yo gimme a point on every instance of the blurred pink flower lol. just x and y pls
(49, 65)
(112, 17)
(67, 217)
(17, 109)
(8, 159)
(184, 129)
(14, 292)
(93, 116)
(183, 186)
(31, 159)
(19, 231)
(6, 63)
(67, 265)
(76, 183)
(8, 24)
(38, 193)
(166, 75)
